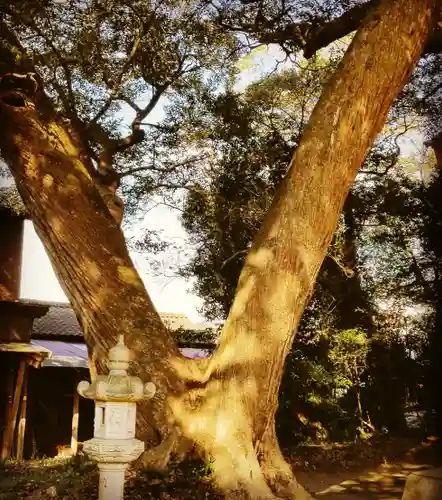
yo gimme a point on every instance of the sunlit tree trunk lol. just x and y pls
(282, 266)
(227, 405)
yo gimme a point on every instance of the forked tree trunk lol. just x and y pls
(227, 405)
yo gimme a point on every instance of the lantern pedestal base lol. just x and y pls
(110, 451)
(111, 481)
(113, 457)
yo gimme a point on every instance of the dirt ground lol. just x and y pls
(372, 472)
(384, 482)
(362, 471)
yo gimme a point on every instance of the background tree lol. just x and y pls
(429, 105)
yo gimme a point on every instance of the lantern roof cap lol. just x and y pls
(117, 386)
(119, 356)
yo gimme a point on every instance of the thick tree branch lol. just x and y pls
(327, 33)
(113, 146)
(129, 102)
(311, 37)
(415, 266)
(68, 100)
(234, 256)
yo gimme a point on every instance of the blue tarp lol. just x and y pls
(74, 354)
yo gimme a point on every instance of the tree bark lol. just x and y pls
(226, 405)
(89, 255)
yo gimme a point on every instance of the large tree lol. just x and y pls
(224, 405)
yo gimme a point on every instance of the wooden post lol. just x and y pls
(17, 393)
(75, 419)
(22, 421)
(8, 415)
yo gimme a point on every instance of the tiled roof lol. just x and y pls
(10, 200)
(60, 321)
(74, 354)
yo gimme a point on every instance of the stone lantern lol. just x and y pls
(114, 445)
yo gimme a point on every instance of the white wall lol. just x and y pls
(38, 280)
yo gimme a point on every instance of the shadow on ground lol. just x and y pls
(380, 478)
(385, 483)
